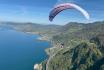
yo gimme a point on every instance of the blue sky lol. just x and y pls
(37, 11)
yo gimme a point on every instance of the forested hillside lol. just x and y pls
(83, 47)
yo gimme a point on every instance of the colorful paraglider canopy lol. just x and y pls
(57, 9)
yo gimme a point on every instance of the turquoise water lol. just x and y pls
(20, 51)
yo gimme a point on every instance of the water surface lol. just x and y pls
(20, 51)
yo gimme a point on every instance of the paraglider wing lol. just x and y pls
(65, 6)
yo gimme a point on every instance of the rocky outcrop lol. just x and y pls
(37, 67)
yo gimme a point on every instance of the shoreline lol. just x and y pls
(42, 37)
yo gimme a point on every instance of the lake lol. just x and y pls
(20, 51)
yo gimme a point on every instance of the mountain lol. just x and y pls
(73, 34)
(44, 30)
(85, 56)
(83, 48)
(29, 27)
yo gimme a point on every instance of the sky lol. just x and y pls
(37, 11)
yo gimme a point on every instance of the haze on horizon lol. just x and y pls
(37, 11)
